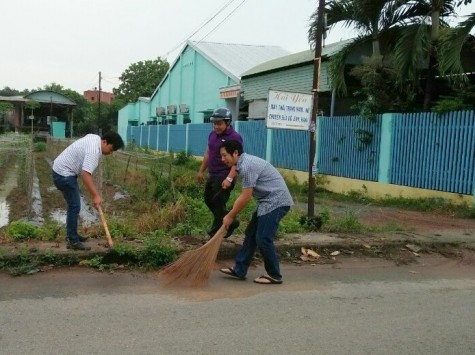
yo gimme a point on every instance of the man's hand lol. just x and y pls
(227, 220)
(199, 177)
(97, 201)
(226, 184)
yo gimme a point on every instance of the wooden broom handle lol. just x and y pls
(104, 223)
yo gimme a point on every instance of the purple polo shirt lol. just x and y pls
(215, 166)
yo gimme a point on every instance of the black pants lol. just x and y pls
(216, 199)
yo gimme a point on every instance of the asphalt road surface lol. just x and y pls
(356, 306)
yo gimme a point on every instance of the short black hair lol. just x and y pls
(115, 139)
(231, 146)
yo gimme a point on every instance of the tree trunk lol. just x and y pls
(430, 89)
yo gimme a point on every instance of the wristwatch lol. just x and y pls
(229, 179)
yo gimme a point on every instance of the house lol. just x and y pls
(92, 96)
(293, 73)
(205, 75)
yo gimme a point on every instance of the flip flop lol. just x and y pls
(230, 272)
(267, 280)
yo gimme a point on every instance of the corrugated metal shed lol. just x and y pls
(290, 73)
(296, 59)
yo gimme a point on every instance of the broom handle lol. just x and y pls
(104, 223)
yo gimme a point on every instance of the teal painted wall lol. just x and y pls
(192, 81)
(143, 111)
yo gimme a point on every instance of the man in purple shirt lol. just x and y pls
(221, 178)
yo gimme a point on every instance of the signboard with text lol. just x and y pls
(289, 110)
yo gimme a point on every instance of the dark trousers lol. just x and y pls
(216, 199)
(68, 185)
(260, 233)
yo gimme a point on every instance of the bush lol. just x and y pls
(40, 147)
(19, 230)
(158, 251)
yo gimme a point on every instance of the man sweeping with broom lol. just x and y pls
(263, 182)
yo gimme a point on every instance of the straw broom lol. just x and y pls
(194, 267)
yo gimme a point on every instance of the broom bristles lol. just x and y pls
(194, 267)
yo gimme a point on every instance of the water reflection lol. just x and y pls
(4, 212)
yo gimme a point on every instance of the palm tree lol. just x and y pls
(418, 43)
(376, 22)
(450, 48)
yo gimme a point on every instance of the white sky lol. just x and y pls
(70, 41)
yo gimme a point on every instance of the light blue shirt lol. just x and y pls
(269, 188)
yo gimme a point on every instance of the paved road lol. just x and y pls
(357, 306)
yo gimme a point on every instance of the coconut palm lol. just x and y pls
(418, 43)
(376, 22)
(450, 48)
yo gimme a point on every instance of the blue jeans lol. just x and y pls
(68, 185)
(260, 233)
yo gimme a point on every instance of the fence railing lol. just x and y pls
(423, 150)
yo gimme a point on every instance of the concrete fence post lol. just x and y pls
(386, 148)
(187, 128)
(269, 145)
(168, 138)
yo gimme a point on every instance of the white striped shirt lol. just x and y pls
(268, 186)
(83, 154)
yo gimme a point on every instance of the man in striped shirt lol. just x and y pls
(81, 158)
(263, 182)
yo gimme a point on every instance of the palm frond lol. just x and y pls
(338, 61)
(450, 48)
(411, 52)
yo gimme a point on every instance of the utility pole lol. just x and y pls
(315, 91)
(99, 104)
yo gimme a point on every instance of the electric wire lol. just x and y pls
(200, 27)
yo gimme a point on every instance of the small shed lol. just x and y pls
(53, 107)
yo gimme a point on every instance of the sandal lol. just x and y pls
(230, 272)
(267, 280)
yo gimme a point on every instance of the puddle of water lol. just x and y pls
(58, 215)
(87, 215)
(120, 195)
(4, 212)
(8, 185)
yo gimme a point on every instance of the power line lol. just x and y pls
(224, 19)
(201, 27)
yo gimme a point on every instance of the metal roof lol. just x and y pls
(48, 96)
(234, 59)
(13, 98)
(295, 59)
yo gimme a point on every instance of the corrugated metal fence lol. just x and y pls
(434, 151)
(427, 151)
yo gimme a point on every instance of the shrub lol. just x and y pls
(20, 230)
(40, 147)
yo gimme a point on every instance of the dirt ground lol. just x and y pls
(411, 221)
(405, 220)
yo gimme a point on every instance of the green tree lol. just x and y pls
(7, 91)
(417, 47)
(451, 47)
(376, 22)
(5, 107)
(141, 79)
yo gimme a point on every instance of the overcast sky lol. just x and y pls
(70, 41)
